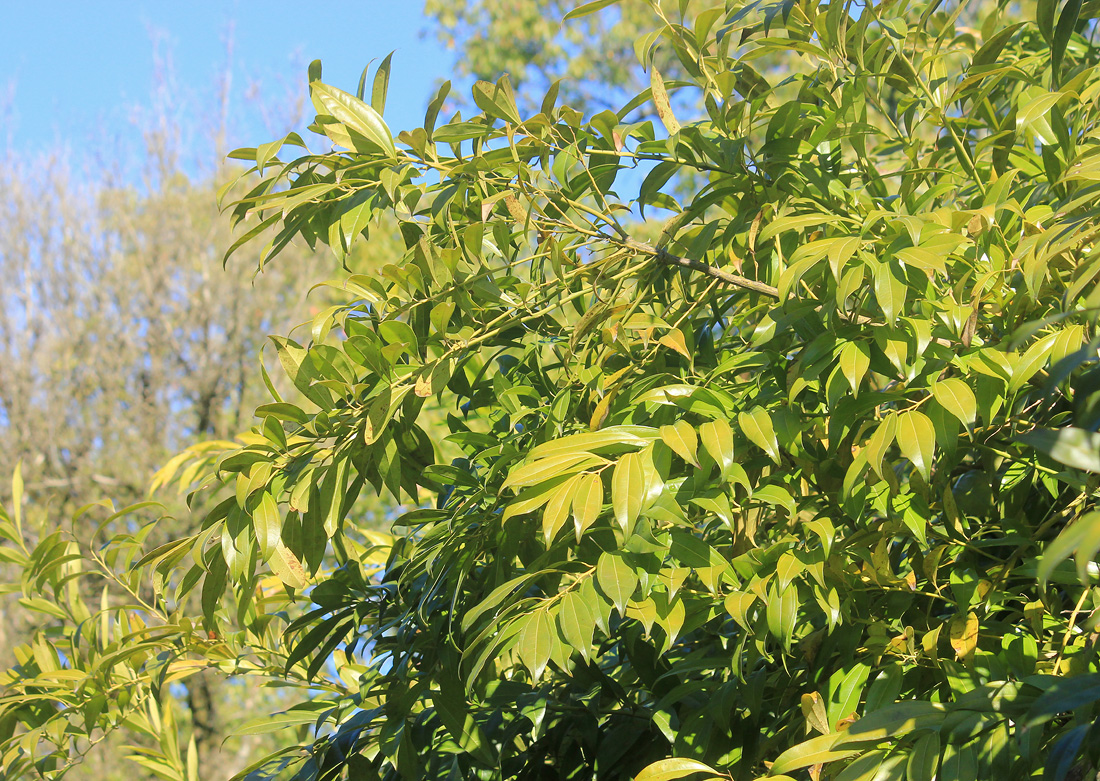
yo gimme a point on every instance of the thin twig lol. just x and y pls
(705, 268)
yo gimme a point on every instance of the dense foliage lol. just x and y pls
(790, 492)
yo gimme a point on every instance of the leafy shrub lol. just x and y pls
(791, 491)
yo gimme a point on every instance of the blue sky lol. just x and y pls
(78, 75)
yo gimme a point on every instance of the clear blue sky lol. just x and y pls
(73, 74)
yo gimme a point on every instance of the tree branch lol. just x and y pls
(715, 273)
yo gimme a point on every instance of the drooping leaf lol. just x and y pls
(916, 437)
(757, 426)
(956, 397)
(617, 579)
(628, 490)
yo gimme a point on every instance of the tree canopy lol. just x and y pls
(754, 442)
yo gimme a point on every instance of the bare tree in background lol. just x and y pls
(123, 338)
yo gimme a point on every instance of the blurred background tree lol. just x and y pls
(123, 338)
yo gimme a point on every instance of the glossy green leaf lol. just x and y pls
(587, 502)
(669, 769)
(880, 441)
(628, 490)
(757, 426)
(854, 361)
(588, 8)
(617, 580)
(544, 469)
(956, 397)
(682, 439)
(535, 643)
(354, 114)
(890, 290)
(717, 439)
(577, 620)
(268, 525)
(557, 508)
(814, 751)
(782, 613)
(381, 86)
(917, 439)
(1080, 540)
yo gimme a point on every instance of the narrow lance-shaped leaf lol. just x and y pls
(576, 620)
(557, 509)
(381, 86)
(628, 490)
(268, 525)
(890, 290)
(661, 101)
(880, 440)
(587, 502)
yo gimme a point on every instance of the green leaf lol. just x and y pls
(895, 720)
(587, 8)
(381, 86)
(917, 439)
(1074, 447)
(1067, 21)
(1081, 540)
(717, 438)
(1033, 359)
(846, 690)
(880, 441)
(682, 439)
(855, 360)
(617, 579)
(814, 751)
(549, 468)
(890, 288)
(610, 439)
(268, 525)
(533, 498)
(872, 766)
(737, 604)
(991, 48)
(1062, 696)
(282, 411)
(628, 490)
(757, 426)
(577, 620)
(557, 509)
(782, 614)
(302, 713)
(356, 115)
(924, 758)
(587, 502)
(956, 397)
(668, 769)
(536, 642)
